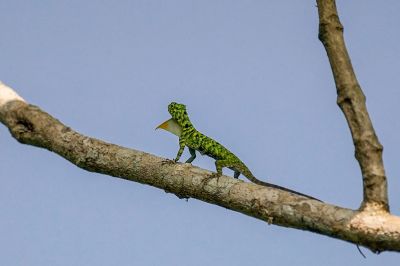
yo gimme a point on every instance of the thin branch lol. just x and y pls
(368, 150)
(28, 124)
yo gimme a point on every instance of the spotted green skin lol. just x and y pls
(197, 141)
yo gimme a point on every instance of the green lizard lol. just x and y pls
(181, 126)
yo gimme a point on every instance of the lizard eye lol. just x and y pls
(184, 113)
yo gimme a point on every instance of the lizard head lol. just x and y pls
(179, 121)
(178, 112)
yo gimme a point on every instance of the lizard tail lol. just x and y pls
(246, 172)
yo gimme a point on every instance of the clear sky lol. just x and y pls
(253, 75)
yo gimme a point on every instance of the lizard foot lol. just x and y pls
(210, 177)
(167, 161)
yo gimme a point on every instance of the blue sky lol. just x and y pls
(253, 75)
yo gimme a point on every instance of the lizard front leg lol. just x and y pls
(193, 155)
(182, 143)
(236, 174)
(178, 155)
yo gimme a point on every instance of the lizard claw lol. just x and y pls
(212, 176)
(167, 162)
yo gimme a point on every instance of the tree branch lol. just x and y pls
(29, 125)
(368, 150)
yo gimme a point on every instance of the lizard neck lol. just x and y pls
(184, 122)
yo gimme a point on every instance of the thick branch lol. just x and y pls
(351, 100)
(28, 124)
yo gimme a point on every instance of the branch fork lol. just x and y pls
(371, 226)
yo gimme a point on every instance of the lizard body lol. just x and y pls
(181, 126)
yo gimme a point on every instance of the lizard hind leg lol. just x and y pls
(219, 164)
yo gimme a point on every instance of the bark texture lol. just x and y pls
(351, 100)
